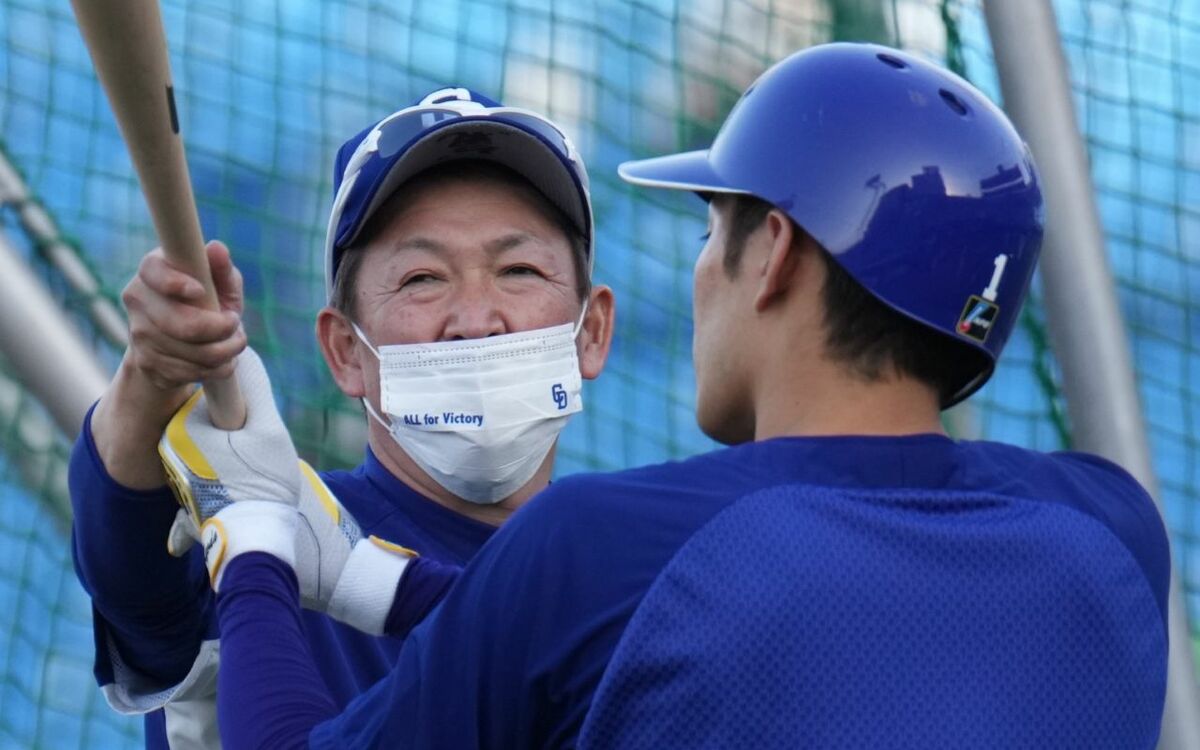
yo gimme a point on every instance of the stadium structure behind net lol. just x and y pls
(269, 89)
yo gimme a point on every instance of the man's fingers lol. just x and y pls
(226, 277)
(161, 278)
(177, 374)
(159, 317)
(203, 356)
(175, 339)
(155, 350)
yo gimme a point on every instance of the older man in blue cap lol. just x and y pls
(461, 314)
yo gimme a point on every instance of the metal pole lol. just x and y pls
(28, 441)
(39, 225)
(1081, 297)
(42, 346)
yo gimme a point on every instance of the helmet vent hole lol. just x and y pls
(953, 102)
(892, 60)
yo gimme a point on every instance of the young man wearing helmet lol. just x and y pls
(458, 272)
(845, 575)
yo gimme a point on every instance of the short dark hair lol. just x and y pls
(345, 280)
(746, 213)
(861, 330)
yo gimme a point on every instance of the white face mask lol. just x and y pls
(480, 415)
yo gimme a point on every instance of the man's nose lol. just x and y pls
(475, 315)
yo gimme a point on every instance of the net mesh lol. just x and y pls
(268, 90)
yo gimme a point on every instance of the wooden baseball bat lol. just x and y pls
(129, 50)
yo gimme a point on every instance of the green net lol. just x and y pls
(268, 90)
(1137, 84)
(48, 697)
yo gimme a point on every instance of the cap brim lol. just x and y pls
(493, 141)
(686, 171)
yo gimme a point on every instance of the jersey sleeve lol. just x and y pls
(510, 658)
(421, 589)
(513, 654)
(1113, 497)
(270, 692)
(484, 669)
(153, 616)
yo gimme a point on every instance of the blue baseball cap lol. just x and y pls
(448, 125)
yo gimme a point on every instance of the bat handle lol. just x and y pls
(225, 404)
(183, 245)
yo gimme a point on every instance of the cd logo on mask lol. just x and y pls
(560, 396)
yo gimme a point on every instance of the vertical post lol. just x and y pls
(42, 345)
(1081, 296)
(44, 233)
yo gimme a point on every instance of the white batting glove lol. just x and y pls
(246, 490)
(239, 488)
(350, 578)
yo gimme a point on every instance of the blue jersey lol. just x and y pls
(154, 619)
(834, 580)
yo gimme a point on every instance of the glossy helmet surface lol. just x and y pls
(914, 181)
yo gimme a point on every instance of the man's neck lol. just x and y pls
(835, 403)
(401, 466)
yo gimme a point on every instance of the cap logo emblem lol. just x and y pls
(470, 143)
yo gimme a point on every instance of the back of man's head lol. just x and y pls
(869, 339)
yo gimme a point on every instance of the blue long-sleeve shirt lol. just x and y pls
(154, 615)
(831, 592)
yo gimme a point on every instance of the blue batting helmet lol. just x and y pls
(449, 125)
(914, 182)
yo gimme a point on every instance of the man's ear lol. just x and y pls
(595, 335)
(778, 271)
(339, 345)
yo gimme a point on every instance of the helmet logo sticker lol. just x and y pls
(981, 310)
(976, 319)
